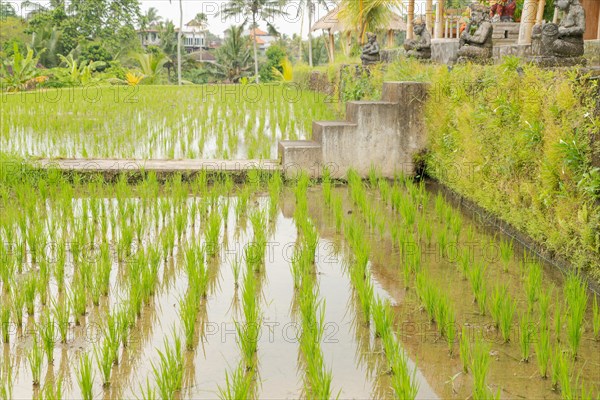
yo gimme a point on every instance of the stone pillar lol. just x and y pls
(410, 19)
(429, 15)
(439, 20)
(540, 11)
(527, 21)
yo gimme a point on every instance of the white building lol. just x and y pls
(194, 36)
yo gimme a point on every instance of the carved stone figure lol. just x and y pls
(476, 40)
(420, 47)
(564, 40)
(370, 52)
(503, 10)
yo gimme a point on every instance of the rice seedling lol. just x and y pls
(465, 350)
(236, 268)
(53, 390)
(480, 363)
(596, 319)
(576, 299)
(542, 350)
(544, 305)
(36, 359)
(5, 323)
(506, 316)
(188, 313)
(147, 391)
(6, 381)
(104, 358)
(557, 321)
(533, 284)
(476, 278)
(506, 253)
(47, 330)
(499, 296)
(561, 376)
(17, 302)
(85, 376)
(168, 373)
(525, 334)
(238, 385)
(29, 290)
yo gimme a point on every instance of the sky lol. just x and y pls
(293, 23)
(288, 25)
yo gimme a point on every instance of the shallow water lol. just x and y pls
(350, 348)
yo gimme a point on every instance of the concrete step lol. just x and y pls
(300, 155)
(323, 129)
(365, 112)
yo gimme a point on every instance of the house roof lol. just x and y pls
(258, 32)
(332, 20)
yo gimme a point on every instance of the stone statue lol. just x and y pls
(420, 47)
(476, 40)
(370, 52)
(565, 39)
(503, 10)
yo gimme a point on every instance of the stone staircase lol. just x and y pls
(383, 134)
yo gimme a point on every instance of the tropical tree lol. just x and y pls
(7, 10)
(368, 15)
(18, 71)
(149, 18)
(310, 5)
(233, 59)
(152, 65)
(255, 11)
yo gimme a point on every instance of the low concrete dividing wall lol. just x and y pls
(381, 134)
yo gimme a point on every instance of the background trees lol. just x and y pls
(255, 11)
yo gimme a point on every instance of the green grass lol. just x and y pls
(238, 385)
(476, 278)
(104, 360)
(506, 253)
(506, 317)
(47, 331)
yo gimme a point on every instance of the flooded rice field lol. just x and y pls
(374, 289)
(159, 122)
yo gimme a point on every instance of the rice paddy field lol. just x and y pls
(159, 122)
(203, 288)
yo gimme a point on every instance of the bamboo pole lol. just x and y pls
(410, 19)
(429, 15)
(439, 20)
(527, 21)
(540, 12)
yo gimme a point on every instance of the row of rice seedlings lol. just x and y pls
(158, 135)
(438, 307)
(403, 382)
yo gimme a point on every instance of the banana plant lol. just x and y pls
(79, 73)
(17, 73)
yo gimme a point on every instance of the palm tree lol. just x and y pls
(234, 60)
(310, 7)
(150, 18)
(179, 42)
(252, 10)
(368, 15)
(151, 65)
